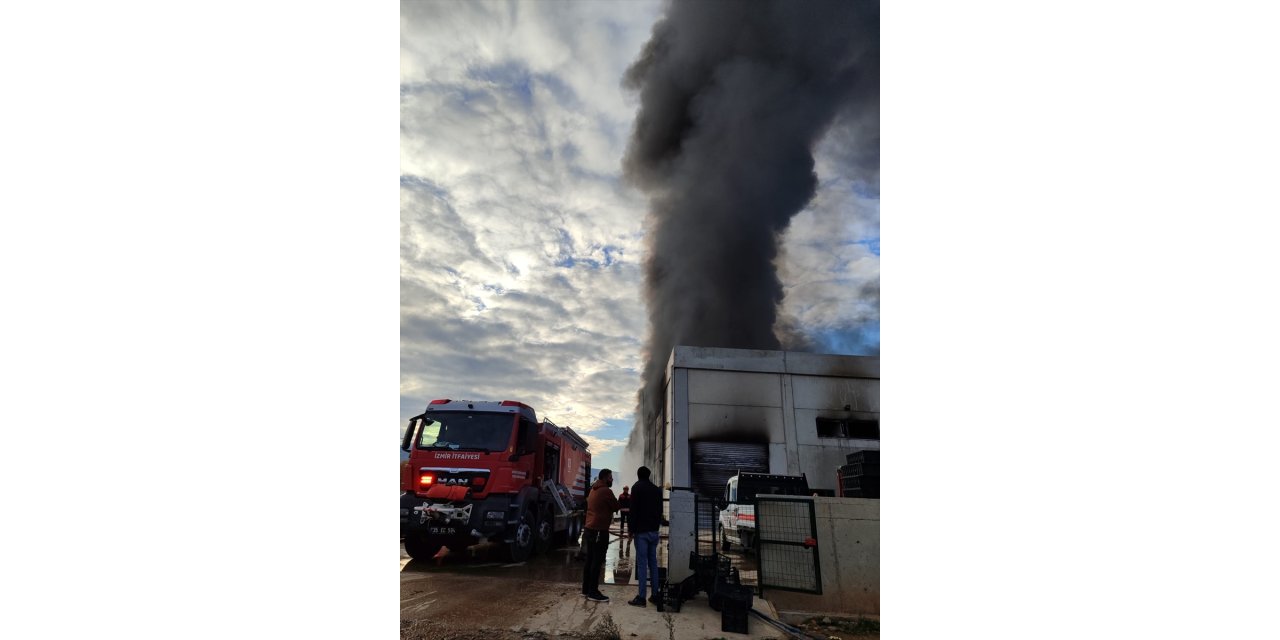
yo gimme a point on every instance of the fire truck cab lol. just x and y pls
(490, 471)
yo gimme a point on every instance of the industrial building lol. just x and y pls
(781, 412)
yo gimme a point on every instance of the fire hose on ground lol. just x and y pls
(795, 633)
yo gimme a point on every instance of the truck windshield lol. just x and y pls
(463, 430)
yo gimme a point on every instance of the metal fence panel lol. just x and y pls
(706, 520)
(709, 535)
(787, 535)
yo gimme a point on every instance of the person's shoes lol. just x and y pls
(598, 597)
(636, 602)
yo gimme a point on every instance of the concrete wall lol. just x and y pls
(849, 557)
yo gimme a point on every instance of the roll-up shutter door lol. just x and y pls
(715, 462)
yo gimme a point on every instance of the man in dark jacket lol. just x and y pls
(601, 505)
(646, 516)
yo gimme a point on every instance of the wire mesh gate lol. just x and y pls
(787, 544)
(782, 555)
(706, 524)
(709, 535)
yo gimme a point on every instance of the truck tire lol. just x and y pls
(724, 541)
(748, 539)
(521, 545)
(544, 529)
(421, 548)
(572, 532)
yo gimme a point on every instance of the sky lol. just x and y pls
(522, 247)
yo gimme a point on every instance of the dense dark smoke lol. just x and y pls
(734, 96)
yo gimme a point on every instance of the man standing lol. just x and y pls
(601, 505)
(646, 515)
(624, 508)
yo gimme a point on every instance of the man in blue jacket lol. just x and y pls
(646, 516)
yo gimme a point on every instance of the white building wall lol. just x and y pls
(773, 397)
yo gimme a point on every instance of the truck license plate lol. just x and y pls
(442, 531)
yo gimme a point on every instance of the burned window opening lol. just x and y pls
(852, 428)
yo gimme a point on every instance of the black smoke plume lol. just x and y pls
(734, 96)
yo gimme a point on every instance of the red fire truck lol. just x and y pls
(490, 470)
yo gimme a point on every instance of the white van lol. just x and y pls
(738, 518)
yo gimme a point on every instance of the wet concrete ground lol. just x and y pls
(478, 595)
(557, 565)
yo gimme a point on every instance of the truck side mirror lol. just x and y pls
(407, 442)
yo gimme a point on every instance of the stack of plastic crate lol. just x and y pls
(860, 478)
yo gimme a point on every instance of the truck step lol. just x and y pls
(556, 499)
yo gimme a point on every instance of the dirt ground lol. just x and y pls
(836, 627)
(442, 606)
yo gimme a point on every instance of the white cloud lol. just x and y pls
(520, 248)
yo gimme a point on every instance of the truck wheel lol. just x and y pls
(724, 541)
(571, 533)
(748, 539)
(562, 538)
(521, 545)
(421, 548)
(543, 531)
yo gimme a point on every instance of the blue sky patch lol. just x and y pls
(511, 76)
(862, 340)
(418, 183)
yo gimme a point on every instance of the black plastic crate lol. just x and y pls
(661, 595)
(705, 568)
(724, 566)
(671, 599)
(727, 595)
(860, 469)
(703, 563)
(871, 456)
(673, 595)
(739, 595)
(733, 618)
